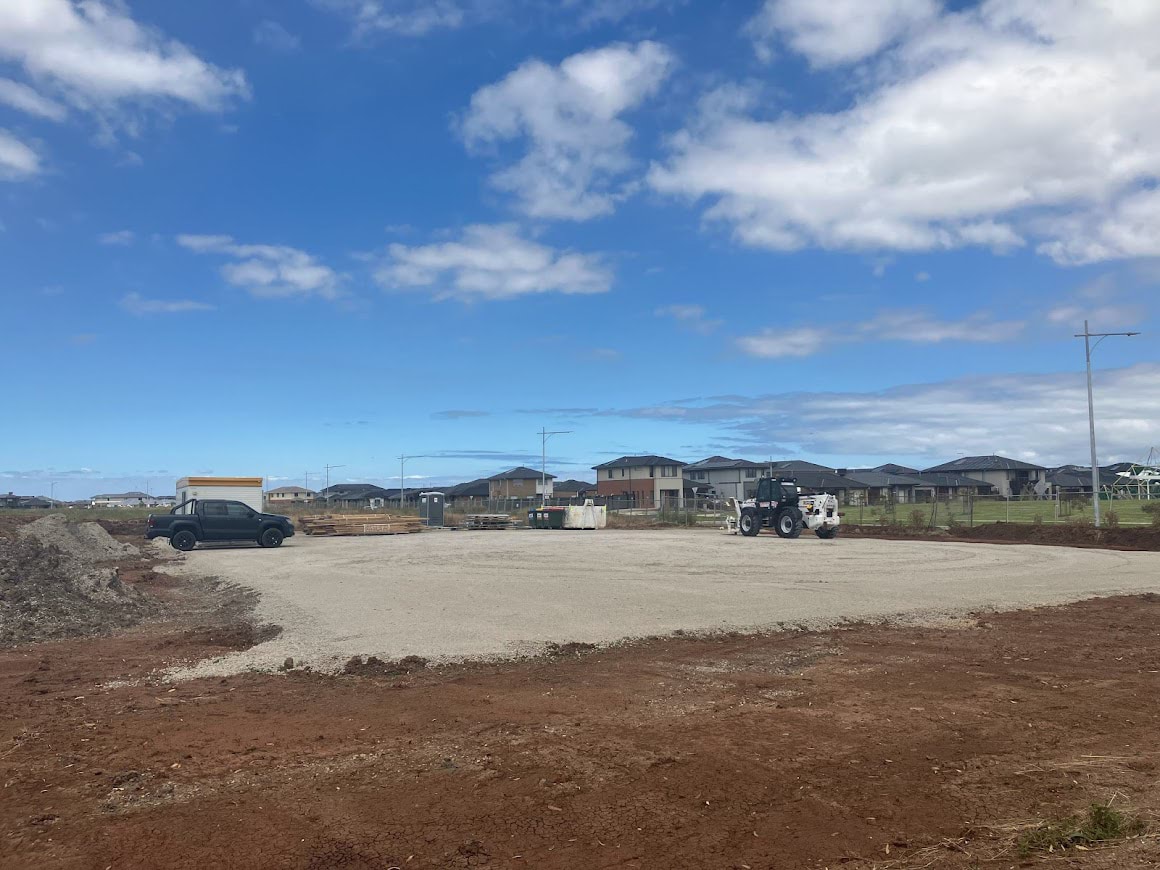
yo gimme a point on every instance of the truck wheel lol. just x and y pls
(184, 540)
(749, 524)
(270, 537)
(826, 534)
(789, 524)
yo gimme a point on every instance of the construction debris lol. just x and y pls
(52, 583)
(488, 521)
(359, 524)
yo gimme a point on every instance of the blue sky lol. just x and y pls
(332, 231)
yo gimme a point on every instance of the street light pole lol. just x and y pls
(1087, 335)
(544, 436)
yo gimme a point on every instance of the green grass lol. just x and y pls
(1130, 512)
(1102, 824)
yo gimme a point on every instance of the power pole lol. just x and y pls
(1087, 335)
(328, 467)
(544, 436)
(402, 465)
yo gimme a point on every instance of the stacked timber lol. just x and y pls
(359, 524)
(488, 521)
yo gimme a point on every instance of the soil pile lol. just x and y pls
(1053, 534)
(52, 583)
(86, 542)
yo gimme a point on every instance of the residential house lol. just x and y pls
(728, 478)
(1008, 477)
(1078, 478)
(944, 485)
(121, 499)
(355, 496)
(25, 502)
(472, 492)
(648, 480)
(521, 482)
(885, 485)
(573, 489)
(289, 495)
(814, 478)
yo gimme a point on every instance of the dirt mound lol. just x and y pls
(86, 542)
(1053, 534)
(373, 666)
(130, 528)
(46, 593)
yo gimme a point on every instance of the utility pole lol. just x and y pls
(52, 493)
(1087, 335)
(402, 465)
(544, 436)
(328, 467)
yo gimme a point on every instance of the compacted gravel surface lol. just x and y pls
(451, 595)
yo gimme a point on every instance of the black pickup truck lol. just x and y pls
(218, 520)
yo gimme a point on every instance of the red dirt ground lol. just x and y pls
(863, 747)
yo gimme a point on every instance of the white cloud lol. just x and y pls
(835, 31)
(570, 118)
(94, 55)
(268, 270)
(907, 325)
(21, 96)
(120, 237)
(401, 17)
(1036, 417)
(690, 316)
(777, 343)
(1009, 122)
(17, 160)
(270, 34)
(492, 262)
(136, 304)
(596, 12)
(1100, 303)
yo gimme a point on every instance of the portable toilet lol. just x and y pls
(431, 505)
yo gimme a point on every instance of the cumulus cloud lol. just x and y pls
(136, 304)
(93, 54)
(268, 270)
(1036, 417)
(18, 160)
(836, 31)
(1006, 124)
(492, 262)
(569, 118)
(907, 325)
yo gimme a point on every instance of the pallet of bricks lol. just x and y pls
(359, 524)
(488, 521)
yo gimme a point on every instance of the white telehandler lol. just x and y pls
(780, 505)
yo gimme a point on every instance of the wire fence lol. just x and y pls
(976, 510)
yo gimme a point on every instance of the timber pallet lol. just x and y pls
(359, 524)
(480, 522)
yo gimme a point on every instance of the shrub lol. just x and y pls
(1037, 519)
(1112, 519)
(1101, 825)
(1152, 509)
(918, 519)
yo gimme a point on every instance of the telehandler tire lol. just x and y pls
(788, 524)
(749, 523)
(827, 534)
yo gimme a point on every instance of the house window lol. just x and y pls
(750, 473)
(652, 471)
(668, 471)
